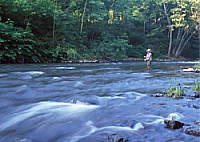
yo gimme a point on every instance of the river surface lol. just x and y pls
(94, 102)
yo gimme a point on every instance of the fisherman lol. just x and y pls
(148, 58)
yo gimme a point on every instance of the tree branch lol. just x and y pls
(82, 20)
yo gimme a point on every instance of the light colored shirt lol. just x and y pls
(149, 56)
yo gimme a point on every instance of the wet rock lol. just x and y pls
(157, 95)
(129, 123)
(74, 100)
(122, 140)
(161, 104)
(197, 94)
(171, 124)
(195, 131)
(188, 70)
(92, 100)
(191, 70)
(197, 70)
(195, 106)
(116, 138)
(197, 122)
(89, 100)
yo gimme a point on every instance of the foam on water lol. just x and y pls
(191, 62)
(78, 83)
(56, 78)
(157, 121)
(137, 95)
(81, 134)
(22, 88)
(65, 68)
(160, 119)
(175, 116)
(27, 77)
(34, 72)
(112, 97)
(154, 116)
(3, 75)
(67, 109)
(138, 126)
(29, 74)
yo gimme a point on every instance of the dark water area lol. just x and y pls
(94, 102)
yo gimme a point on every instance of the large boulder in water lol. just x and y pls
(191, 70)
(188, 70)
(172, 124)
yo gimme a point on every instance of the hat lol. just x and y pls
(148, 50)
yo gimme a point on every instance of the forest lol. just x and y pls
(53, 31)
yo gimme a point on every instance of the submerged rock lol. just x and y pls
(195, 131)
(195, 106)
(122, 140)
(197, 94)
(128, 123)
(197, 122)
(157, 95)
(194, 95)
(116, 138)
(172, 124)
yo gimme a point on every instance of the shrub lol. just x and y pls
(64, 53)
(112, 49)
(17, 44)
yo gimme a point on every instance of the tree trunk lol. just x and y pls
(177, 40)
(144, 24)
(180, 44)
(54, 25)
(184, 43)
(82, 20)
(170, 30)
(170, 42)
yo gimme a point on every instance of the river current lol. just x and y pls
(94, 102)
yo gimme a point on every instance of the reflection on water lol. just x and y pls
(88, 102)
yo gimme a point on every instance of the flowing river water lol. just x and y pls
(94, 102)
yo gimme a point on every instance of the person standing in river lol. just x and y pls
(148, 58)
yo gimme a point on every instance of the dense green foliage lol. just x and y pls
(63, 30)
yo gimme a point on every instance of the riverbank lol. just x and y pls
(134, 59)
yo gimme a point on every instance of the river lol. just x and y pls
(94, 102)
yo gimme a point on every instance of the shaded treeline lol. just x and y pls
(61, 30)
